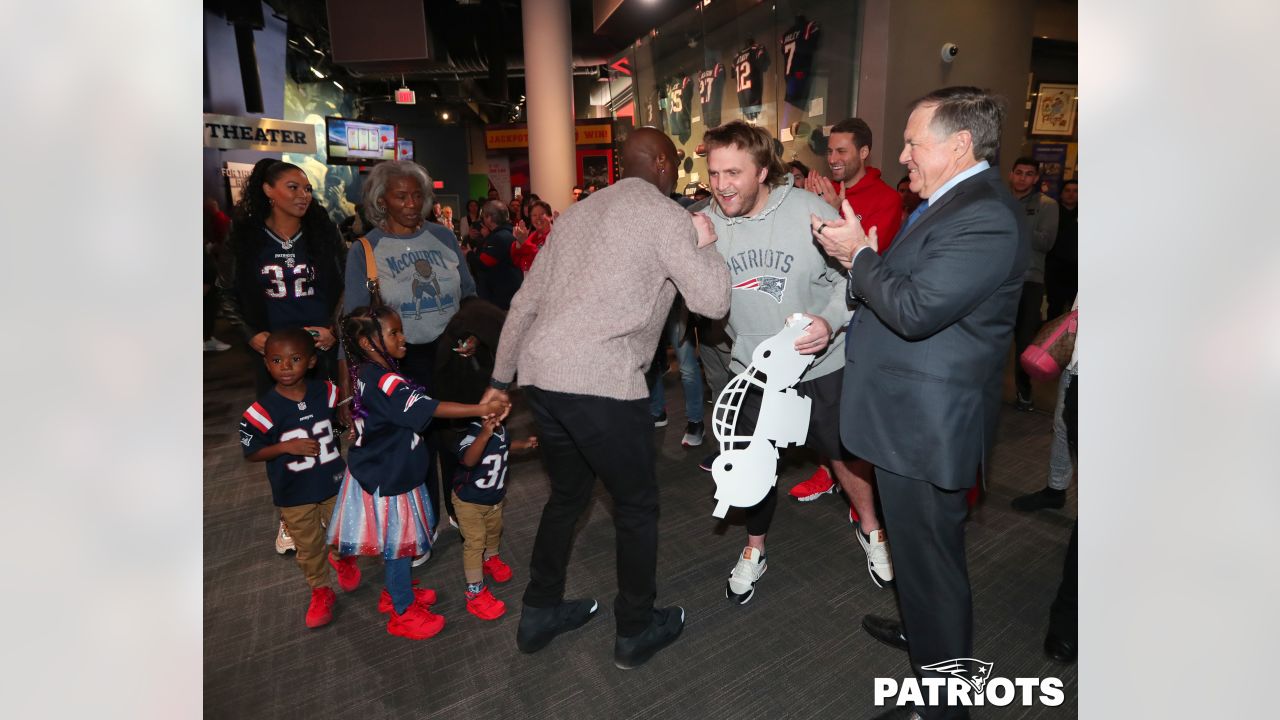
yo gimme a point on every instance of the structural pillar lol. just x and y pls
(548, 68)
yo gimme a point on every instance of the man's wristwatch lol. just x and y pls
(499, 385)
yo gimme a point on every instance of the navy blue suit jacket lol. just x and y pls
(926, 349)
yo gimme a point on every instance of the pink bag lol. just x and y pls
(1045, 358)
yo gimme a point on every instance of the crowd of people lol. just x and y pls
(407, 338)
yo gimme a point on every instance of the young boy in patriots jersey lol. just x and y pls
(479, 490)
(290, 428)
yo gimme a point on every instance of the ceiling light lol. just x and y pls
(335, 82)
(317, 73)
(310, 42)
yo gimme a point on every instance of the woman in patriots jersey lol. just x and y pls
(290, 428)
(288, 262)
(382, 506)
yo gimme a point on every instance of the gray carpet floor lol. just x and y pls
(795, 651)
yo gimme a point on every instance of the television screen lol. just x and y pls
(404, 150)
(356, 142)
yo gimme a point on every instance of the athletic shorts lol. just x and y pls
(824, 413)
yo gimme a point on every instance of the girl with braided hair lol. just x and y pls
(382, 506)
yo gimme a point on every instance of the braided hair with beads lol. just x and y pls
(365, 322)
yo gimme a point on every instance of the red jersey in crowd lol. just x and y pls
(878, 205)
(523, 255)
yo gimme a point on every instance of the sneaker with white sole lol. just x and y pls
(660, 421)
(876, 546)
(284, 543)
(742, 581)
(818, 484)
(709, 461)
(418, 561)
(694, 433)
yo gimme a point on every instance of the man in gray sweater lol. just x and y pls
(580, 333)
(775, 269)
(1041, 216)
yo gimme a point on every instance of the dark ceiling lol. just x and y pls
(478, 55)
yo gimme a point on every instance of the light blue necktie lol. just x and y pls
(915, 214)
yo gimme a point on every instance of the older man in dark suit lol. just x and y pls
(924, 359)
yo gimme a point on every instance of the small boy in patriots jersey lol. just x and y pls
(290, 428)
(479, 490)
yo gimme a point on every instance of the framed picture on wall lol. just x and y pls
(595, 167)
(1055, 110)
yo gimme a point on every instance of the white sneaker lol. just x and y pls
(418, 561)
(284, 543)
(215, 345)
(876, 546)
(742, 581)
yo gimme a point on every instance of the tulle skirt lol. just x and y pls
(394, 527)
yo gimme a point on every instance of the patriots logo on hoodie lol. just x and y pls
(772, 286)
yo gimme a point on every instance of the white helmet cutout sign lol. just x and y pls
(747, 467)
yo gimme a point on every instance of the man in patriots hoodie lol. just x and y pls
(775, 269)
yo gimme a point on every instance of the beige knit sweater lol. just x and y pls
(587, 318)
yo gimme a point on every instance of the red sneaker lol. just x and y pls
(486, 607)
(348, 572)
(320, 611)
(496, 569)
(818, 484)
(426, 597)
(417, 623)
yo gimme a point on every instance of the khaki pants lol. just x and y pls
(481, 527)
(306, 525)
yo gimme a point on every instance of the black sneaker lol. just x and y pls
(538, 626)
(1040, 499)
(709, 461)
(661, 420)
(632, 652)
(1023, 403)
(694, 432)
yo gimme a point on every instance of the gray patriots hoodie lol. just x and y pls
(775, 269)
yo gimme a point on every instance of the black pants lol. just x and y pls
(930, 571)
(582, 437)
(211, 299)
(419, 366)
(1061, 280)
(1025, 328)
(1064, 611)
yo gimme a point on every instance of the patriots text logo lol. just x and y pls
(772, 286)
(971, 670)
